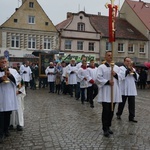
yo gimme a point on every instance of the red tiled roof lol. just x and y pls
(142, 9)
(124, 29)
(63, 24)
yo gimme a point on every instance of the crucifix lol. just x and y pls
(112, 15)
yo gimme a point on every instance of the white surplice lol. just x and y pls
(50, 77)
(128, 86)
(25, 76)
(72, 76)
(17, 117)
(103, 75)
(8, 98)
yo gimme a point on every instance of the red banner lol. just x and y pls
(112, 16)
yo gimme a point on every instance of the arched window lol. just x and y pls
(81, 26)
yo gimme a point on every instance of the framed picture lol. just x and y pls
(44, 60)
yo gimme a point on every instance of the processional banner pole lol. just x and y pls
(112, 15)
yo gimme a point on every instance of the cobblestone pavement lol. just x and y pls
(59, 122)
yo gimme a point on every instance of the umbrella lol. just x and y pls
(140, 66)
(53, 52)
(37, 52)
(147, 64)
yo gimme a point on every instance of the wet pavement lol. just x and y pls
(59, 122)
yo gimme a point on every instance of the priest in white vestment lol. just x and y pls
(104, 82)
(8, 99)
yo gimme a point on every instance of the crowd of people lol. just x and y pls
(110, 83)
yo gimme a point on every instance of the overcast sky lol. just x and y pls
(57, 9)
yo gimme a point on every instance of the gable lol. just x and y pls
(73, 19)
(20, 18)
(142, 10)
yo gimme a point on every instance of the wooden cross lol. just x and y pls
(112, 2)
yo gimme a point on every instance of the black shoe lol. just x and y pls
(7, 134)
(1, 139)
(77, 98)
(11, 127)
(19, 128)
(132, 120)
(118, 117)
(92, 106)
(106, 134)
(110, 132)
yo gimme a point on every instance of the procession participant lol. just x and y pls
(65, 85)
(26, 73)
(83, 78)
(72, 76)
(58, 73)
(17, 117)
(104, 82)
(8, 99)
(78, 92)
(92, 89)
(50, 72)
(128, 89)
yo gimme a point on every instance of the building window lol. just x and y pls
(32, 42)
(47, 43)
(120, 47)
(91, 46)
(15, 20)
(79, 45)
(31, 19)
(81, 26)
(108, 46)
(68, 44)
(31, 4)
(130, 48)
(15, 41)
(46, 23)
(142, 48)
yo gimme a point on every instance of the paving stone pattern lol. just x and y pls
(59, 122)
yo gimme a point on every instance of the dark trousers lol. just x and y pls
(4, 122)
(26, 84)
(107, 115)
(131, 106)
(65, 88)
(58, 87)
(82, 94)
(78, 91)
(72, 87)
(43, 82)
(92, 91)
(51, 87)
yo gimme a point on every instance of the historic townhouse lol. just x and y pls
(87, 34)
(137, 13)
(27, 30)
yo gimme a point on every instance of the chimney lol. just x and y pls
(99, 13)
(69, 14)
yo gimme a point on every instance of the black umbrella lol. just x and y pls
(37, 52)
(53, 52)
(140, 66)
